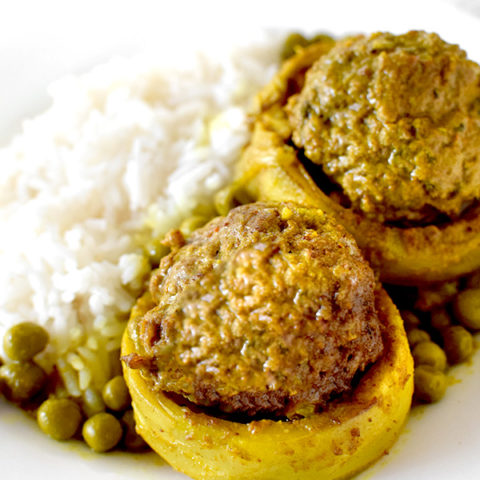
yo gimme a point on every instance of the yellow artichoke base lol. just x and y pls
(334, 444)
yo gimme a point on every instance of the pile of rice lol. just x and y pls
(128, 144)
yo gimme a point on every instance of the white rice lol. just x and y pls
(131, 141)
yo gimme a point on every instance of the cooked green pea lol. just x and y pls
(429, 353)
(132, 440)
(225, 200)
(416, 335)
(430, 384)
(409, 319)
(22, 380)
(292, 42)
(458, 344)
(59, 418)
(467, 308)
(115, 394)
(24, 340)
(190, 224)
(92, 402)
(115, 363)
(155, 250)
(102, 432)
(440, 319)
(436, 296)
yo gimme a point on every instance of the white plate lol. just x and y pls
(40, 41)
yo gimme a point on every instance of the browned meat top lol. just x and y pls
(395, 121)
(268, 310)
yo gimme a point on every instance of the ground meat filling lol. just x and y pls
(270, 310)
(395, 122)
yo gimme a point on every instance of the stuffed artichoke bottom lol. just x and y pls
(382, 132)
(265, 349)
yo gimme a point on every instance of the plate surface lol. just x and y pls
(40, 41)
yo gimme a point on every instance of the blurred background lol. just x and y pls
(41, 41)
